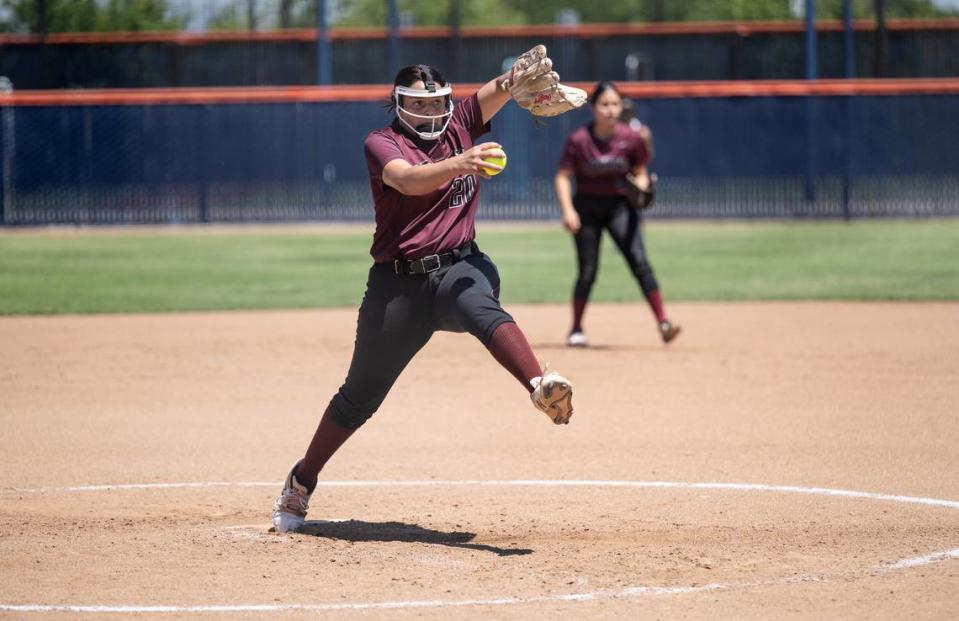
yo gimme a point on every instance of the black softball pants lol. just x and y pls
(624, 224)
(399, 314)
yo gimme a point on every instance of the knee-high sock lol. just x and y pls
(579, 308)
(511, 349)
(329, 437)
(655, 299)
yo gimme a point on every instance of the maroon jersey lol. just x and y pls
(418, 226)
(600, 166)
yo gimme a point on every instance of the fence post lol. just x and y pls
(456, 39)
(251, 15)
(810, 102)
(849, 52)
(393, 42)
(323, 61)
(7, 136)
(3, 164)
(881, 40)
(203, 166)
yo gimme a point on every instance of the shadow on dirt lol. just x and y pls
(358, 530)
(596, 347)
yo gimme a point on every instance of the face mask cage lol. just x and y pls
(437, 123)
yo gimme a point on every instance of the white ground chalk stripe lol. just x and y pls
(629, 592)
(128, 486)
(919, 561)
(745, 487)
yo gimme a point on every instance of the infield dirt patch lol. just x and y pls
(814, 395)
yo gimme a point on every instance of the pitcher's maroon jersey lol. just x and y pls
(417, 226)
(600, 166)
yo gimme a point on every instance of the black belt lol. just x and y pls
(433, 262)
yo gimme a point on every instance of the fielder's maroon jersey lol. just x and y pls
(600, 166)
(417, 226)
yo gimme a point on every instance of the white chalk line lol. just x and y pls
(628, 592)
(133, 486)
(746, 487)
(928, 559)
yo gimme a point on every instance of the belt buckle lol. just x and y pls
(431, 263)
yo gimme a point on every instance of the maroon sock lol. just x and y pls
(655, 299)
(510, 348)
(579, 307)
(329, 437)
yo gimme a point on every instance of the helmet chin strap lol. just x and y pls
(430, 91)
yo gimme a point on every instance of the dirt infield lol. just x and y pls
(778, 461)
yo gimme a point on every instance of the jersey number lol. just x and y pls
(463, 190)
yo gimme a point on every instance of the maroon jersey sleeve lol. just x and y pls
(381, 149)
(469, 115)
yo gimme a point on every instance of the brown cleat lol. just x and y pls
(668, 331)
(553, 395)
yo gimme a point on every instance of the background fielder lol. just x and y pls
(605, 158)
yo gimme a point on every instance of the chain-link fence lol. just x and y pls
(585, 56)
(199, 43)
(716, 157)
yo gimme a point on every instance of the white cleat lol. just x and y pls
(289, 510)
(576, 339)
(553, 394)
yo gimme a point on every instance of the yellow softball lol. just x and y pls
(499, 161)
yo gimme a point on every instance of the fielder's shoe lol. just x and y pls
(289, 510)
(668, 331)
(553, 394)
(576, 339)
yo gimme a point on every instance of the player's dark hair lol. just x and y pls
(600, 88)
(408, 75)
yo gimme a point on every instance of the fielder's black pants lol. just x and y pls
(399, 314)
(624, 224)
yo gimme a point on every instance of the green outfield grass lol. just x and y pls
(193, 269)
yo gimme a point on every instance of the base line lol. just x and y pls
(744, 487)
(628, 592)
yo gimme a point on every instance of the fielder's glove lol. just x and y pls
(535, 86)
(639, 198)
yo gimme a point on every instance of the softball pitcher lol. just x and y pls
(428, 273)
